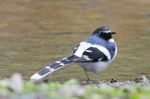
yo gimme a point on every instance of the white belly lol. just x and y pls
(95, 66)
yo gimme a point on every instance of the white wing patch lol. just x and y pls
(84, 45)
(86, 57)
(88, 51)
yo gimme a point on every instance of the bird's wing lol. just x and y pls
(51, 68)
(91, 53)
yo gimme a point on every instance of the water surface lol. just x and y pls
(35, 33)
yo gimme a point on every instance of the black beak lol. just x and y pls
(113, 32)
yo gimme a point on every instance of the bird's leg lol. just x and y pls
(97, 79)
(88, 79)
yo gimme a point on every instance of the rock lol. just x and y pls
(142, 79)
(16, 83)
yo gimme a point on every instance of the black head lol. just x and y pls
(104, 32)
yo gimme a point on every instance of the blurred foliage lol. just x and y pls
(72, 89)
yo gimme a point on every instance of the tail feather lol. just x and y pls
(49, 69)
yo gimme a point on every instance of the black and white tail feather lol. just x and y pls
(53, 67)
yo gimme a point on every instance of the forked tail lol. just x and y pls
(51, 68)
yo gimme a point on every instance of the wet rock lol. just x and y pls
(142, 79)
(113, 80)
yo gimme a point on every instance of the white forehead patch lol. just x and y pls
(106, 31)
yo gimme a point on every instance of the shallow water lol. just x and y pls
(35, 33)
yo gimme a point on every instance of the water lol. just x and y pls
(35, 33)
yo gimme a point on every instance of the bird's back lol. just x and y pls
(111, 46)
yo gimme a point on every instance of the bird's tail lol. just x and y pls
(51, 68)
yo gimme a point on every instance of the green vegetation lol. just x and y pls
(73, 89)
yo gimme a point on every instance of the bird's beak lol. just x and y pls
(113, 32)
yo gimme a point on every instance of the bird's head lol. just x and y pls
(104, 33)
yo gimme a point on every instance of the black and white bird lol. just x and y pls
(93, 54)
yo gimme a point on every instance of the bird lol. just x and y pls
(93, 54)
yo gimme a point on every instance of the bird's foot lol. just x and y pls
(90, 81)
